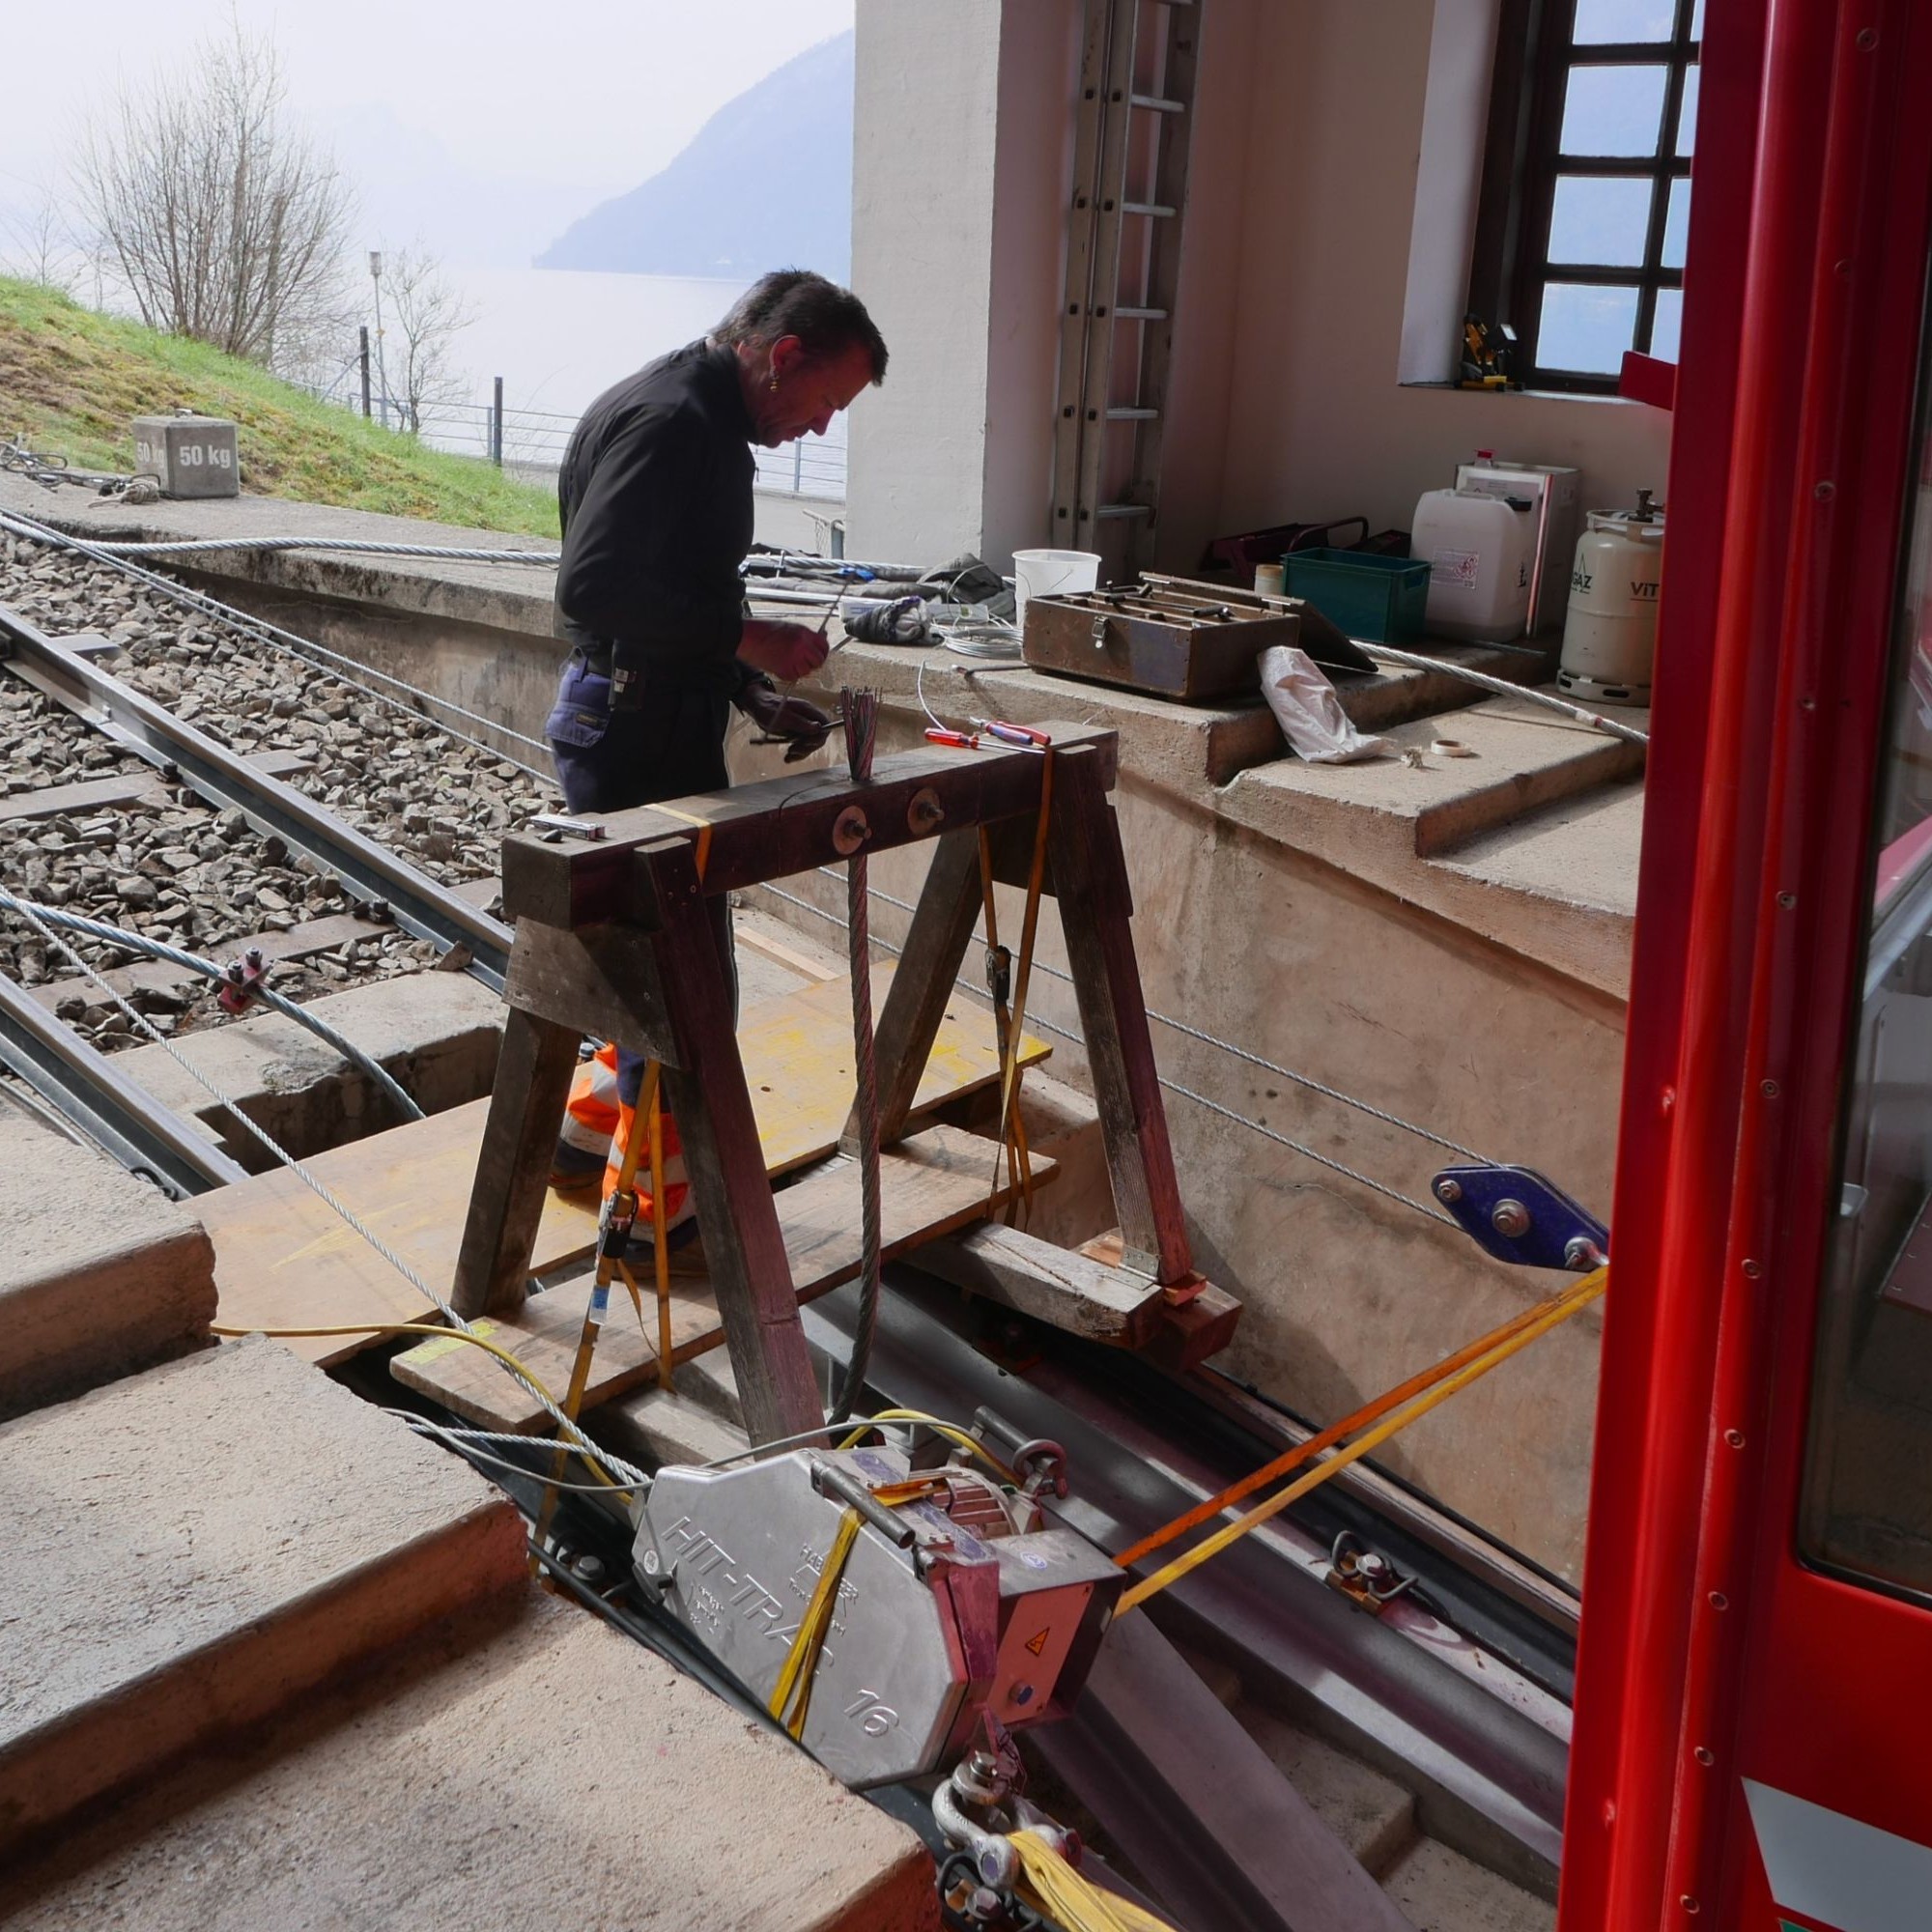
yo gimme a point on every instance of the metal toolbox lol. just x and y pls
(1171, 636)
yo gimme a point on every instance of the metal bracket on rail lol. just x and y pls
(1518, 1215)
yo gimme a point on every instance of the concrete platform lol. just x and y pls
(553, 1773)
(192, 1548)
(437, 1032)
(101, 1274)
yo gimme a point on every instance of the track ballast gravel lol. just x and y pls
(198, 878)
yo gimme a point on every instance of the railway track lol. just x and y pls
(185, 783)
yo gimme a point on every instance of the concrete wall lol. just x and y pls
(926, 93)
(1033, 168)
(1330, 214)
(1338, 97)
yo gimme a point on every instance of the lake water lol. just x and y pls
(560, 337)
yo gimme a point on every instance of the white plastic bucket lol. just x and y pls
(1050, 573)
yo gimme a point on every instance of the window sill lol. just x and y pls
(1533, 395)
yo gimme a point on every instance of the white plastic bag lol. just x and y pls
(1308, 711)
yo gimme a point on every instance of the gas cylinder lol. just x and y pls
(1610, 636)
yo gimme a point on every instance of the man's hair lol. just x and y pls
(794, 302)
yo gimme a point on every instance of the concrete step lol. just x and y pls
(549, 1772)
(196, 1547)
(1436, 1889)
(101, 1274)
(1439, 1891)
(1582, 851)
(1420, 802)
(1372, 1814)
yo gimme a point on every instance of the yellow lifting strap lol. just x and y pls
(1469, 1365)
(1009, 1028)
(791, 1698)
(1051, 1885)
(644, 1130)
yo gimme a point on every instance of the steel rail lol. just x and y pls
(367, 868)
(1488, 1776)
(143, 1134)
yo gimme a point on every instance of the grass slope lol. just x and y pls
(73, 381)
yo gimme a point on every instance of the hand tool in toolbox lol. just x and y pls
(1175, 637)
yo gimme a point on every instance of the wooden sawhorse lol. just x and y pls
(612, 940)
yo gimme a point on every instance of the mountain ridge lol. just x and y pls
(766, 183)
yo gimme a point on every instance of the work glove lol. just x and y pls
(781, 716)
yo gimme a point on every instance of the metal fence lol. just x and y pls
(536, 439)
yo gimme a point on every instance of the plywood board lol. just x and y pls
(938, 1180)
(283, 1259)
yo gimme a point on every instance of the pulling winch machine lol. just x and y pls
(955, 1600)
(902, 1611)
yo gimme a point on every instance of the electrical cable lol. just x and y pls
(37, 1110)
(287, 642)
(414, 1276)
(991, 640)
(259, 989)
(582, 1445)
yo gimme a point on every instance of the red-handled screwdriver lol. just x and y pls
(967, 741)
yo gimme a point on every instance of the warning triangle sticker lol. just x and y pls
(1037, 1645)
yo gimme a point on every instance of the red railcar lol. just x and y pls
(1757, 1625)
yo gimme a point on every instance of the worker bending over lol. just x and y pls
(655, 495)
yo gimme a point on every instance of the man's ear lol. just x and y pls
(787, 356)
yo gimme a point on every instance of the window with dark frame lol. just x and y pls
(1586, 185)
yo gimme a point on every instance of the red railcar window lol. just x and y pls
(1867, 1502)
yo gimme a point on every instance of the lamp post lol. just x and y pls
(382, 369)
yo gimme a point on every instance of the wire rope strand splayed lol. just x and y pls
(860, 710)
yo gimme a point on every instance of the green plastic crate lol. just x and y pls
(1383, 599)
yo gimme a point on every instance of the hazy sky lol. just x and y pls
(597, 94)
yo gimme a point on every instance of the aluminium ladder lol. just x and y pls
(1138, 64)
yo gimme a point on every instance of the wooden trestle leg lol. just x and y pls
(1095, 909)
(942, 929)
(527, 1103)
(744, 1245)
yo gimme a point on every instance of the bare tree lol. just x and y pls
(226, 222)
(426, 315)
(40, 248)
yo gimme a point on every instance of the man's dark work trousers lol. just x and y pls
(671, 745)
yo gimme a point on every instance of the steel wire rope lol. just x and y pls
(1502, 687)
(348, 546)
(304, 648)
(468, 1439)
(1173, 1085)
(115, 935)
(1227, 1046)
(630, 1474)
(861, 710)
